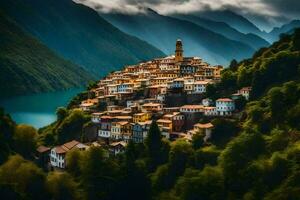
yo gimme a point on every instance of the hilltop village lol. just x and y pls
(170, 90)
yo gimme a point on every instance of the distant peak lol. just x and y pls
(151, 11)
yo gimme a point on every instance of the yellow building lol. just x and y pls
(141, 117)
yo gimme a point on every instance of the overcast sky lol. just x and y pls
(269, 10)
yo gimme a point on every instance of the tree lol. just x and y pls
(207, 184)
(72, 125)
(233, 65)
(156, 149)
(236, 157)
(197, 140)
(99, 174)
(61, 113)
(7, 128)
(296, 39)
(73, 159)
(26, 178)
(180, 157)
(224, 130)
(61, 186)
(134, 183)
(25, 140)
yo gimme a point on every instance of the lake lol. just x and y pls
(37, 110)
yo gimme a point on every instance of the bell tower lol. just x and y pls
(179, 51)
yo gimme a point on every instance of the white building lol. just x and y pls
(58, 153)
(210, 111)
(96, 117)
(245, 92)
(225, 106)
(200, 87)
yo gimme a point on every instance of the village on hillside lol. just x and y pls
(170, 90)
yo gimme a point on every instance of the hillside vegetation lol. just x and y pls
(27, 66)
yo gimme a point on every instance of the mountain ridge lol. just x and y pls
(162, 31)
(226, 30)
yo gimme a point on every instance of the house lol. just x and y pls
(96, 117)
(177, 121)
(245, 92)
(105, 127)
(166, 127)
(117, 147)
(58, 153)
(206, 129)
(192, 114)
(111, 89)
(115, 132)
(177, 83)
(125, 87)
(191, 108)
(189, 87)
(200, 87)
(152, 107)
(140, 131)
(225, 106)
(86, 106)
(141, 117)
(210, 111)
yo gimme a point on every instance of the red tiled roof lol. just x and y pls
(225, 99)
(208, 125)
(42, 149)
(70, 145)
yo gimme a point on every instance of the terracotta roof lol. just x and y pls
(192, 106)
(123, 123)
(42, 149)
(60, 150)
(225, 99)
(152, 104)
(164, 121)
(114, 144)
(208, 125)
(70, 145)
(201, 82)
(209, 108)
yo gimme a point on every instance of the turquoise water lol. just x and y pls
(37, 110)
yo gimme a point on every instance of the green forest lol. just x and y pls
(28, 66)
(256, 156)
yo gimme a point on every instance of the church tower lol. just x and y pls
(179, 51)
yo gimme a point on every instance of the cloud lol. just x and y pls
(274, 9)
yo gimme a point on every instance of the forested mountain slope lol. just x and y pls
(27, 66)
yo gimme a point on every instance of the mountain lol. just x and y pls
(286, 28)
(162, 32)
(236, 21)
(28, 66)
(79, 34)
(224, 29)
